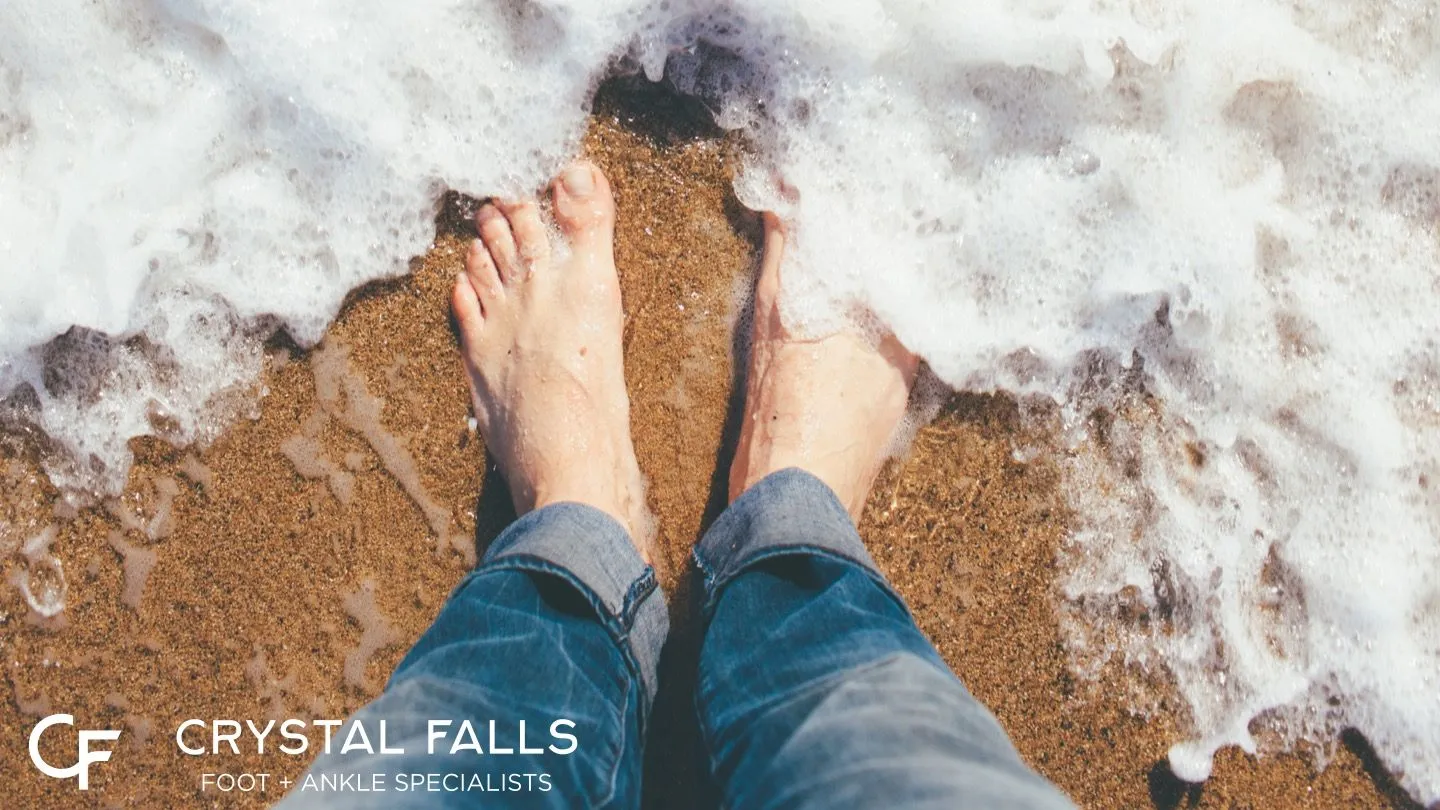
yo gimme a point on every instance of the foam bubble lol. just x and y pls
(1206, 229)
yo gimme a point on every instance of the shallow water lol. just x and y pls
(1216, 219)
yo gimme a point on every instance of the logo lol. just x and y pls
(86, 757)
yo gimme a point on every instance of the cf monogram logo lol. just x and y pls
(86, 757)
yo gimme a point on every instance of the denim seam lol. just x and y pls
(635, 596)
(613, 781)
(707, 578)
(632, 663)
(642, 712)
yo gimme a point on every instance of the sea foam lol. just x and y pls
(1205, 229)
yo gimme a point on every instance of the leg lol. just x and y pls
(817, 690)
(562, 622)
(561, 625)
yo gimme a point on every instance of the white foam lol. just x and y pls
(1233, 204)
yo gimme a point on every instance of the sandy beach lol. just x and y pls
(285, 569)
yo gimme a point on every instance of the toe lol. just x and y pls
(531, 240)
(484, 278)
(584, 206)
(466, 306)
(500, 241)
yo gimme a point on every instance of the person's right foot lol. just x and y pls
(540, 334)
(828, 406)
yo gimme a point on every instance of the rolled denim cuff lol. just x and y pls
(787, 512)
(592, 551)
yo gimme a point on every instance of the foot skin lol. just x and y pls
(540, 334)
(828, 406)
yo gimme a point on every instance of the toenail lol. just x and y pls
(489, 212)
(578, 180)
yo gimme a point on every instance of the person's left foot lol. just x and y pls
(540, 334)
(829, 405)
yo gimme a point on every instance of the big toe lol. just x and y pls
(584, 206)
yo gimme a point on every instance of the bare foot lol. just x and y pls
(828, 406)
(540, 334)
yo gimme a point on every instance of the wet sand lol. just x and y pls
(292, 563)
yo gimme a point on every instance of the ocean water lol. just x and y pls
(1204, 235)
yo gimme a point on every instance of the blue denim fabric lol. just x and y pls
(816, 688)
(562, 620)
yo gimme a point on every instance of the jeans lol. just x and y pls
(816, 689)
